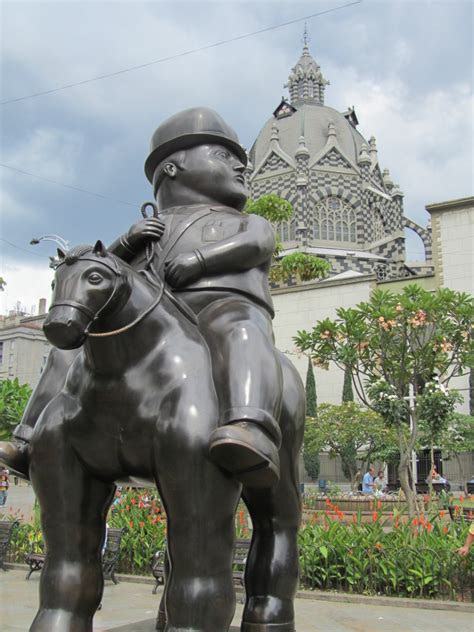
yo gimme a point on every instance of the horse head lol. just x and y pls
(89, 285)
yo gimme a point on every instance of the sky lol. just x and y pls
(406, 66)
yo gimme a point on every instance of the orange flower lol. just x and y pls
(461, 499)
(445, 530)
(133, 501)
(416, 522)
(142, 524)
(379, 504)
(354, 517)
(378, 546)
(429, 526)
(131, 524)
(375, 516)
(442, 513)
(241, 518)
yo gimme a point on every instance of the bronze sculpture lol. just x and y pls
(169, 377)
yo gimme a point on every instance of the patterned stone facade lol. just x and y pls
(347, 209)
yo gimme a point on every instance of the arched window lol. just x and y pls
(378, 225)
(287, 230)
(334, 220)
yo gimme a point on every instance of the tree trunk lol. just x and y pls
(430, 477)
(463, 474)
(404, 472)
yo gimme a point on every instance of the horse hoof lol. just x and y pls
(267, 627)
(246, 451)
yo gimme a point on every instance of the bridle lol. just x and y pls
(119, 283)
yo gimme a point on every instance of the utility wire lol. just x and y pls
(178, 55)
(23, 249)
(69, 186)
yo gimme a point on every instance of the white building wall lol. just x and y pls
(301, 308)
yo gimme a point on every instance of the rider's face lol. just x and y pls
(214, 173)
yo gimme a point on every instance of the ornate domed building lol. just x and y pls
(347, 209)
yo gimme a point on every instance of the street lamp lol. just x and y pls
(62, 243)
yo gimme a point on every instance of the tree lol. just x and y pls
(435, 410)
(393, 345)
(311, 397)
(350, 431)
(347, 392)
(456, 438)
(299, 264)
(2, 284)
(311, 459)
(13, 399)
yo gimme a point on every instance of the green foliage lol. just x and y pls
(303, 266)
(394, 343)
(436, 406)
(471, 392)
(143, 518)
(349, 431)
(411, 560)
(312, 464)
(13, 399)
(272, 207)
(347, 392)
(311, 397)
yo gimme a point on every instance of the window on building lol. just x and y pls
(287, 230)
(334, 220)
(378, 225)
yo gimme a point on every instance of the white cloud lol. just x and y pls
(26, 284)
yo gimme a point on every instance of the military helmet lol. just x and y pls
(188, 128)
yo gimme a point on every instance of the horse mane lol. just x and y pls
(71, 256)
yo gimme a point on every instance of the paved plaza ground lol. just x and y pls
(131, 607)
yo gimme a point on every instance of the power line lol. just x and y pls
(23, 249)
(69, 186)
(178, 55)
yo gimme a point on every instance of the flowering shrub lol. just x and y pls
(414, 559)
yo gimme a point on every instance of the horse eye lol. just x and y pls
(95, 278)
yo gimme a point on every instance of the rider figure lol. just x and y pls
(216, 260)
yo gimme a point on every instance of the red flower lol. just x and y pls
(379, 504)
(131, 524)
(375, 516)
(133, 501)
(429, 526)
(442, 513)
(142, 524)
(461, 499)
(445, 530)
(241, 518)
(416, 522)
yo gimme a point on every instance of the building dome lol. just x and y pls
(312, 121)
(346, 208)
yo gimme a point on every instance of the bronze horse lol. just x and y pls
(139, 402)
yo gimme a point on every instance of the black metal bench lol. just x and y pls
(241, 551)
(465, 514)
(6, 530)
(110, 556)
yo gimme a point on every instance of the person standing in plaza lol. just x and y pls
(4, 485)
(368, 485)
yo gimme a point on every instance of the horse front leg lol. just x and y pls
(200, 503)
(73, 510)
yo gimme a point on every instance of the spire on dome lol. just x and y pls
(306, 83)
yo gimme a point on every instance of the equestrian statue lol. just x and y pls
(164, 369)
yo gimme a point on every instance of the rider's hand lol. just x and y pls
(148, 229)
(183, 269)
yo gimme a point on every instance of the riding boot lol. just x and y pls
(14, 455)
(248, 447)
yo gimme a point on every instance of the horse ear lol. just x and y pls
(100, 249)
(61, 253)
